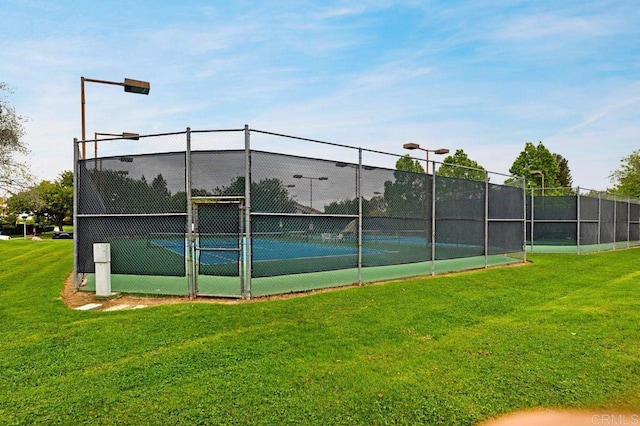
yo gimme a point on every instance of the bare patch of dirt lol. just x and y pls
(74, 299)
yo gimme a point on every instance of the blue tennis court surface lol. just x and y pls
(394, 239)
(265, 249)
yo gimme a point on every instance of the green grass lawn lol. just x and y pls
(457, 349)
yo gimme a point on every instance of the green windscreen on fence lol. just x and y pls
(582, 223)
(396, 223)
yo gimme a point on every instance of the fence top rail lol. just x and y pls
(518, 178)
(307, 215)
(188, 129)
(218, 131)
(215, 199)
(326, 143)
(116, 138)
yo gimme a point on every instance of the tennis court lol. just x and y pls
(293, 250)
(210, 213)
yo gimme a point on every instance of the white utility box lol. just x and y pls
(102, 260)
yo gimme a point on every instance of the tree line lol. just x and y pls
(535, 163)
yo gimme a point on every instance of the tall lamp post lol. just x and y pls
(439, 151)
(539, 172)
(311, 179)
(130, 86)
(123, 135)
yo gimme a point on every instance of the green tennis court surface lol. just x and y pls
(587, 248)
(263, 286)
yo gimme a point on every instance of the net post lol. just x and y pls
(190, 241)
(76, 184)
(359, 195)
(246, 282)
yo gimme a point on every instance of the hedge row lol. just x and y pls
(9, 229)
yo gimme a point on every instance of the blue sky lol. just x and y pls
(483, 76)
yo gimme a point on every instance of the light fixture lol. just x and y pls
(130, 86)
(439, 151)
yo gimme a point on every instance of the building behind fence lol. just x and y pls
(233, 213)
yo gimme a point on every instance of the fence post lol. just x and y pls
(532, 220)
(637, 201)
(246, 291)
(628, 222)
(359, 195)
(433, 217)
(486, 219)
(524, 219)
(191, 283)
(76, 185)
(615, 219)
(599, 218)
(578, 219)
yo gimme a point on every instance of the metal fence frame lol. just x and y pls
(249, 213)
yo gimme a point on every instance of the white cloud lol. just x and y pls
(540, 26)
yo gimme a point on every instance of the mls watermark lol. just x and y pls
(616, 419)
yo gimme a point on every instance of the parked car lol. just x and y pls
(61, 235)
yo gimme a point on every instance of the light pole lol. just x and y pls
(123, 135)
(130, 86)
(24, 217)
(311, 179)
(539, 172)
(439, 151)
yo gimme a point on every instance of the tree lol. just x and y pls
(536, 157)
(159, 185)
(407, 195)
(46, 199)
(24, 201)
(408, 164)
(115, 192)
(56, 198)
(343, 207)
(626, 179)
(564, 173)
(267, 196)
(471, 170)
(375, 206)
(14, 175)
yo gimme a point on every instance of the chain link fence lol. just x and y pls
(234, 213)
(581, 220)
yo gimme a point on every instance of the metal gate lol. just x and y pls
(218, 242)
